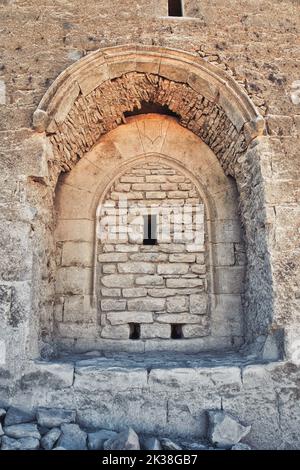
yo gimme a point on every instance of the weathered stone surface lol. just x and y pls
(25, 443)
(151, 443)
(224, 430)
(193, 446)
(96, 439)
(72, 437)
(125, 440)
(18, 416)
(156, 330)
(147, 304)
(2, 413)
(241, 446)
(115, 332)
(167, 444)
(22, 430)
(121, 318)
(198, 304)
(172, 268)
(54, 417)
(1, 430)
(49, 440)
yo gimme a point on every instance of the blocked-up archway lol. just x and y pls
(92, 98)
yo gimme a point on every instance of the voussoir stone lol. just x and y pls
(17, 416)
(72, 437)
(49, 440)
(2, 413)
(224, 430)
(125, 440)
(96, 439)
(25, 443)
(22, 430)
(1, 430)
(54, 417)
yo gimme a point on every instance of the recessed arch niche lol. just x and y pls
(91, 99)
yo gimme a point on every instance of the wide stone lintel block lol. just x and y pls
(97, 375)
(48, 374)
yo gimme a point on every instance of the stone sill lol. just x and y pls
(181, 18)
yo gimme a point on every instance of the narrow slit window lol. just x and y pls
(134, 331)
(150, 230)
(176, 331)
(175, 8)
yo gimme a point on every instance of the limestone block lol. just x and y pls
(110, 292)
(198, 269)
(118, 280)
(48, 374)
(177, 304)
(224, 253)
(72, 437)
(74, 230)
(93, 375)
(131, 195)
(229, 280)
(54, 417)
(198, 304)
(136, 267)
(182, 258)
(125, 440)
(183, 282)
(156, 331)
(122, 318)
(96, 439)
(146, 187)
(155, 195)
(181, 318)
(112, 304)
(18, 431)
(112, 257)
(167, 444)
(135, 292)
(78, 330)
(115, 332)
(194, 331)
(149, 281)
(73, 280)
(78, 308)
(225, 430)
(17, 416)
(50, 438)
(24, 443)
(77, 254)
(109, 269)
(155, 257)
(156, 179)
(172, 268)
(147, 304)
(161, 292)
(127, 248)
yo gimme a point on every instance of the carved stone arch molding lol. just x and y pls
(91, 98)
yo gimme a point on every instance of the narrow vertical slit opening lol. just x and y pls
(175, 8)
(134, 331)
(150, 230)
(176, 331)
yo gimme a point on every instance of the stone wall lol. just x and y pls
(216, 269)
(154, 286)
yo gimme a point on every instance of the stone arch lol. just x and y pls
(92, 97)
(78, 196)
